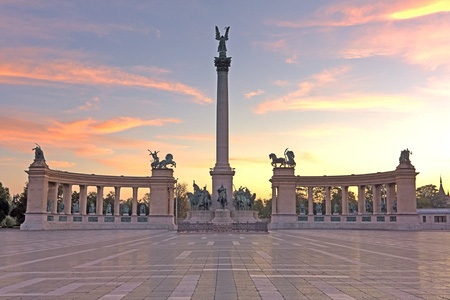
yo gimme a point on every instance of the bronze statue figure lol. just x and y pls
(222, 49)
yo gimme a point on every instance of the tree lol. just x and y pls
(427, 196)
(183, 205)
(264, 208)
(5, 198)
(144, 201)
(19, 204)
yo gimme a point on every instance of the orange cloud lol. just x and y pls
(343, 14)
(432, 8)
(72, 72)
(254, 93)
(188, 137)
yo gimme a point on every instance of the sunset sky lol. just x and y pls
(346, 85)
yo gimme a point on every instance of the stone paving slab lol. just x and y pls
(290, 264)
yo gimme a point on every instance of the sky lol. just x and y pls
(345, 84)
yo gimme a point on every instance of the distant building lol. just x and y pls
(442, 194)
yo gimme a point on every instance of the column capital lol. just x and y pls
(222, 63)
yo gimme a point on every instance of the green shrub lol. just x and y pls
(8, 222)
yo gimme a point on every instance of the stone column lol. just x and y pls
(36, 213)
(67, 198)
(361, 199)
(117, 200)
(274, 199)
(345, 200)
(328, 200)
(99, 206)
(376, 198)
(171, 201)
(285, 206)
(390, 198)
(222, 174)
(83, 199)
(135, 200)
(310, 201)
(53, 196)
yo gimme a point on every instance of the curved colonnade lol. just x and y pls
(43, 185)
(399, 189)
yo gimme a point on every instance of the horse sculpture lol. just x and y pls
(200, 199)
(277, 160)
(243, 199)
(286, 161)
(168, 161)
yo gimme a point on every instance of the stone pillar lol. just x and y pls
(117, 200)
(171, 201)
(376, 198)
(328, 200)
(83, 199)
(67, 198)
(285, 206)
(390, 198)
(345, 200)
(53, 196)
(405, 178)
(99, 206)
(134, 205)
(162, 181)
(310, 201)
(222, 174)
(36, 213)
(361, 199)
(274, 199)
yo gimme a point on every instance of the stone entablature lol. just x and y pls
(347, 180)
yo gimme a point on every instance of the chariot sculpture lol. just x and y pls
(157, 164)
(38, 153)
(286, 161)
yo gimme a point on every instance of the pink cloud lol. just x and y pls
(254, 93)
(60, 164)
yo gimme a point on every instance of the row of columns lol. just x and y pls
(67, 199)
(390, 198)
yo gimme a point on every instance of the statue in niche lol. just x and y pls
(200, 199)
(301, 209)
(404, 156)
(61, 207)
(336, 209)
(319, 208)
(38, 153)
(91, 209)
(383, 206)
(222, 49)
(352, 208)
(142, 211)
(108, 208)
(244, 199)
(49, 205)
(75, 208)
(125, 210)
(368, 208)
(222, 191)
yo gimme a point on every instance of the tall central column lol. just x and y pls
(222, 174)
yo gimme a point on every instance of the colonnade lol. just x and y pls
(43, 184)
(400, 187)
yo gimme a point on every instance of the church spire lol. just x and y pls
(441, 188)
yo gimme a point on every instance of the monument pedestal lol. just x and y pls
(243, 216)
(222, 216)
(200, 216)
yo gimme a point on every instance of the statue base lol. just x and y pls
(243, 216)
(222, 216)
(200, 216)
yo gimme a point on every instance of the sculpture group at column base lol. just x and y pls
(222, 216)
(243, 216)
(200, 216)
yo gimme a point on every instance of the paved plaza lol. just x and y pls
(295, 264)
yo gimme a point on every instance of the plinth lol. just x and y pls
(222, 216)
